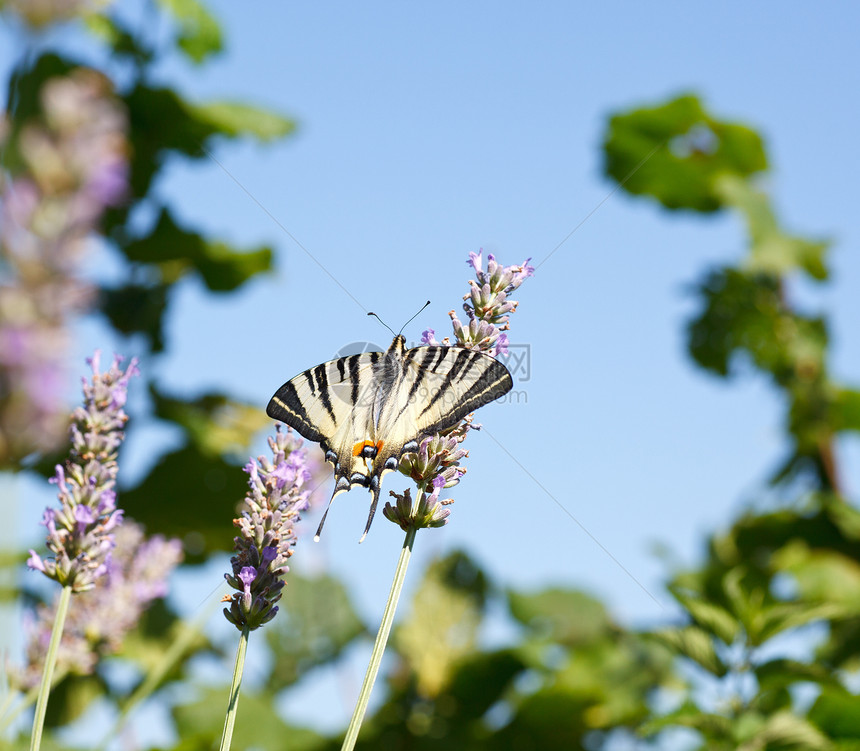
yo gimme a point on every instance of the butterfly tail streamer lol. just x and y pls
(374, 492)
(322, 521)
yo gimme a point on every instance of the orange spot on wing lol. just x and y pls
(356, 450)
(379, 445)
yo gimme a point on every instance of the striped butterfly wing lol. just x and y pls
(437, 388)
(374, 406)
(330, 404)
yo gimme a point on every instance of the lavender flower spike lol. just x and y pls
(266, 531)
(81, 531)
(487, 305)
(137, 574)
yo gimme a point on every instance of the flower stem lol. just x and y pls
(48, 673)
(379, 644)
(230, 719)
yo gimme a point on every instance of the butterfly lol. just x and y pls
(368, 409)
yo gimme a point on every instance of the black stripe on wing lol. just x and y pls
(286, 406)
(494, 382)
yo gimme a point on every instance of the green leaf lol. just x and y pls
(216, 424)
(443, 620)
(71, 697)
(238, 119)
(551, 719)
(315, 624)
(162, 122)
(561, 615)
(694, 643)
(775, 619)
(837, 713)
(137, 309)
(745, 312)
(846, 410)
(783, 672)
(784, 731)
(772, 250)
(688, 715)
(709, 616)
(176, 251)
(480, 680)
(257, 723)
(674, 152)
(822, 575)
(199, 33)
(191, 495)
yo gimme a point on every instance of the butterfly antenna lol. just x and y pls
(382, 322)
(413, 318)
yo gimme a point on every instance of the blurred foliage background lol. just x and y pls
(570, 676)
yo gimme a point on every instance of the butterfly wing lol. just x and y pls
(437, 388)
(374, 406)
(332, 405)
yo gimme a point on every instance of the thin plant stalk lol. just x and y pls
(230, 719)
(381, 640)
(50, 662)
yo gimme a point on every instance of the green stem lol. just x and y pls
(230, 719)
(48, 673)
(379, 644)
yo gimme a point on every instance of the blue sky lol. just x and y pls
(428, 131)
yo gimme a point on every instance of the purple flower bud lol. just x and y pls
(266, 530)
(135, 573)
(80, 532)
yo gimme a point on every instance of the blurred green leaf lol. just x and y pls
(822, 575)
(783, 672)
(745, 312)
(177, 251)
(136, 308)
(675, 151)
(163, 122)
(837, 713)
(191, 495)
(549, 720)
(238, 119)
(442, 623)
(71, 697)
(689, 715)
(709, 616)
(772, 251)
(258, 725)
(563, 615)
(216, 424)
(480, 680)
(199, 33)
(847, 409)
(784, 731)
(315, 624)
(694, 643)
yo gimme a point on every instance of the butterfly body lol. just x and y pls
(366, 410)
